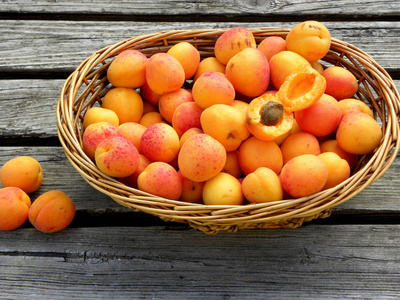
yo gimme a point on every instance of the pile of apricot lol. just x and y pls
(50, 212)
(251, 124)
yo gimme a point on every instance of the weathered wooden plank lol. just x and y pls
(311, 262)
(205, 7)
(40, 47)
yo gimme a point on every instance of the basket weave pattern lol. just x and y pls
(87, 85)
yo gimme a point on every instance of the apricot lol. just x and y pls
(262, 185)
(188, 56)
(95, 133)
(133, 132)
(186, 116)
(248, 71)
(192, 191)
(267, 119)
(333, 146)
(160, 142)
(131, 180)
(223, 189)
(232, 42)
(125, 102)
(311, 39)
(321, 118)
(188, 133)
(354, 105)
(14, 207)
(23, 172)
(272, 45)
(148, 107)
(149, 95)
(295, 128)
(304, 175)
(213, 88)
(358, 133)
(52, 211)
(151, 118)
(301, 89)
(117, 157)
(226, 124)
(209, 64)
(283, 64)
(160, 179)
(255, 153)
(241, 105)
(170, 101)
(128, 69)
(201, 157)
(164, 73)
(338, 169)
(99, 114)
(298, 144)
(232, 165)
(340, 82)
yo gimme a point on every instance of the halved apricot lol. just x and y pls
(301, 89)
(267, 119)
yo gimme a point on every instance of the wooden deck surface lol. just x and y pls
(111, 252)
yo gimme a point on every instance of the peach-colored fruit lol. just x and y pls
(23, 172)
(333, 146)
(117, 157)
(170, 101)
(340, 82)
(128, 69)
(226, 124)
(99, 114)
(151, 118)
(223, 189)
(160, 179)
(188, 56)
(304, 175)
(188, 133)
(160, 142)
(232, 165)
(272, 45)
(311, 39)
(358, 133)
(299, 143)
(321, 118)
(295, 128)
(52, 211)
(354, 105)
(232, 42)
(338, 169)
(148, 107)
(283, 64)
(131, 180)
(241, 105)
(149, 95)
(125, 102)
(164, 73)
(133, 132)
(201, 157)
(209, 64)
(192, 191)
(248, 71)
(262, 185)
(255, 153)
(95, 133)
(186, 116)
(213, 88)
(14, 207)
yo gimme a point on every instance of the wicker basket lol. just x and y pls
(86, 86)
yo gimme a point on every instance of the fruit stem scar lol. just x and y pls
(271, 113)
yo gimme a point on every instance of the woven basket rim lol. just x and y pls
(211, 218)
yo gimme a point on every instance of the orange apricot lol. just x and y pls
(170, 101)
(188, 56)
(338, 169)
(333, 146)
(209, 64)
(131, 180)
(149, 95)
(222, 189)
(52, 211)
(23, 172)
(188, 133)
(267, 119)
(192, 191)
(133, 132)
(151, 118)
(272, 45)
(186, 115)
(14, 207)
(232, 165)
(299, 143)
(100, 114)
(340, 82)
(354, 105)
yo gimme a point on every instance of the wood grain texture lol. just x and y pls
(311, 262)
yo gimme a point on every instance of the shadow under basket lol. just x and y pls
(87, 85)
